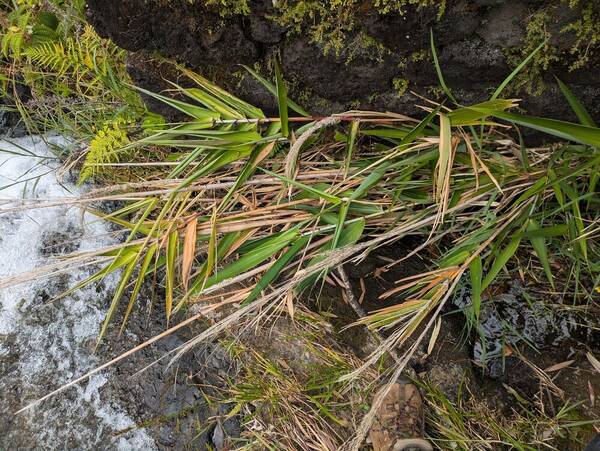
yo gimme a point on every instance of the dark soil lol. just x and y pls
(170, 398)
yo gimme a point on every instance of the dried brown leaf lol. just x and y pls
(189, 249)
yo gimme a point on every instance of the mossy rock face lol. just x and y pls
(338, 54)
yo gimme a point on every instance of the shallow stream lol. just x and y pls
(45, 343)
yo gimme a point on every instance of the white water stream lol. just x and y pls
(46, 343)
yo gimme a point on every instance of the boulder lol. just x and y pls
(364, 54)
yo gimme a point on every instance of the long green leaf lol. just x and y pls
(117, 296)
(340, 224)
(323, 195)
(566, 130)
(258, 154)
(514, 73)
(277, 267)
(194, 111)
(577, 219)
(218, 93)
(250, 260)
(576, 105)
(501, 260)
(350, 145)
(138, 283)
(476, 272)
(539, 246)
(471, 116)
(555, 230)
(351, 233)
(273, 90)
(377, 174)
(282, 100)
(438, 69)
(170, 282)
(210, 102)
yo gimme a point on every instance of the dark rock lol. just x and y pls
(504, 25)
(516, 319)
(472, 39)
(179, 29)
(461, 59)
(330, 77)
(11, 123)
(262, 29)
(60, 242)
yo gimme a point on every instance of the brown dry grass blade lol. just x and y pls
(189, 250)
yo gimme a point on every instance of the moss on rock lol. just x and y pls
(338, 54)
(549, 27)
(400, 85)
(331, 23)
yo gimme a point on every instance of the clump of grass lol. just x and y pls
(245, 212)
(470, 424)
(297, 400)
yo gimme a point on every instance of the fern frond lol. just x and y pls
(105, 148)
(87, 59)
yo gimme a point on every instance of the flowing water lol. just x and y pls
(45, 343)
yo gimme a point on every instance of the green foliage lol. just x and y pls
(77, 80)
(105, 148)
(587, 35)
(83, 64)
(290, 380)
(469, 423)
(583, 31)
(365, 47)
(229, 7)
(27, 26)
(399, 6)
(536, 34)
(330, 23)
(414, 176)
(400, 85)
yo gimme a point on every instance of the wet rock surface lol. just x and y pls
(169, 397)
(520, 319)
(47, 340)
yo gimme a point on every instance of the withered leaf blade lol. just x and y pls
(189, 250)
(559, 366)
(594, 361)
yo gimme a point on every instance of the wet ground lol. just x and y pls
(45, 342)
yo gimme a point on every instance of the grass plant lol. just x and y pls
(470, 424)
(232, 210)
